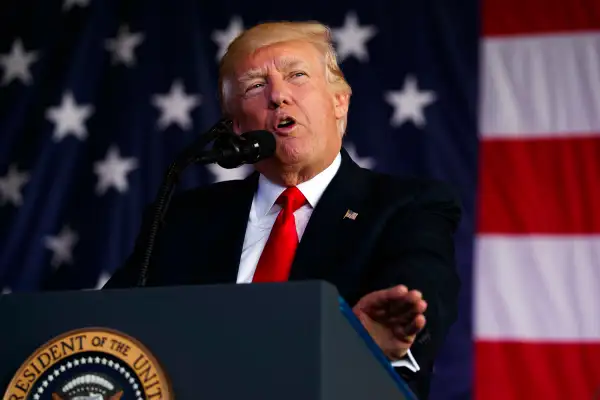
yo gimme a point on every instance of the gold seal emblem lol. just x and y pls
(90, 364)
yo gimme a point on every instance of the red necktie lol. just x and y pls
(277, 257)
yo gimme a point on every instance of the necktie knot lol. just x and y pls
(291, 199)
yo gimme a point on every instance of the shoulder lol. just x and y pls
(413, 191)
(411, 200)
(211, 191)
(207, 197)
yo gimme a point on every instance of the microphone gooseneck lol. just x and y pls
(229, 151)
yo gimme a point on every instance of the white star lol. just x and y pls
(11, 186)
(62, 246)
(364, 162)
(122, 47)
(102, 279)
(351, 39)
(225, 174)
(68, 4)
(409, 102)
(112, 171)
(69, 118)
(176, 106)
(225, 37)
(17, 63)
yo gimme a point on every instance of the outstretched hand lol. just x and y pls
(393, 317)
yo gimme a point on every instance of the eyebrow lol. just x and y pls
(283, 64)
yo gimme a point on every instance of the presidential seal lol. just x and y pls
(90, 364)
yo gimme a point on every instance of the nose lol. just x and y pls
(279, 94)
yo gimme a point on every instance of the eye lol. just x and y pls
(253, 86)
(298, 74)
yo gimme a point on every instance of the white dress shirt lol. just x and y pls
(262, 216)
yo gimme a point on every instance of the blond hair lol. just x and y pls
(270, 33)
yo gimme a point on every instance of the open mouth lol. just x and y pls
(286, 123)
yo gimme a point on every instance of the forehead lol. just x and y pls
(280, 57)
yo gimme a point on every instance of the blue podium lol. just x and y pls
(292, 341)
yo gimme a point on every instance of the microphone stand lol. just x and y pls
(167, 188)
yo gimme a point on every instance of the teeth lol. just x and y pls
(285, 122)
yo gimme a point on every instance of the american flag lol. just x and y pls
(537, 254)
(499, 98)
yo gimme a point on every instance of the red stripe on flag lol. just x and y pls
(509, 17)
(545, 186)
(505, 370)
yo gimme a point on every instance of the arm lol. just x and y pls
(417, 251)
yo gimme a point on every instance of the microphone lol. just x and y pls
(229, 151)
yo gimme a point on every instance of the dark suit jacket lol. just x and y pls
(403, 234)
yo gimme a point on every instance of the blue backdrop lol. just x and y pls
(97, 96)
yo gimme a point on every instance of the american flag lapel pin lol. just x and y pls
(350, 215)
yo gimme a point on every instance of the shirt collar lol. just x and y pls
(313, 189)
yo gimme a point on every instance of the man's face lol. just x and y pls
(282, 89)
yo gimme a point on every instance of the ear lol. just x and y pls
(341, 104)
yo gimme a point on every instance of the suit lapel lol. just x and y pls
(329, 235)
(230, 220)
(327, 240)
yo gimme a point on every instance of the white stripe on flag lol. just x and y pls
(540, 288)
(541, 86)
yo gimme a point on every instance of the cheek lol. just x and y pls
(318, 104)
(252, 115)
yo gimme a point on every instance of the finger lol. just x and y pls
(408, 314)
(411, 327)
(402, 304)
(398, 320)
(408, 332)
(399, 311)
(381, 298)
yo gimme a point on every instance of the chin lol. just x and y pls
(292, 152)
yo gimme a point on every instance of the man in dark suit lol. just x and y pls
(310, 212)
